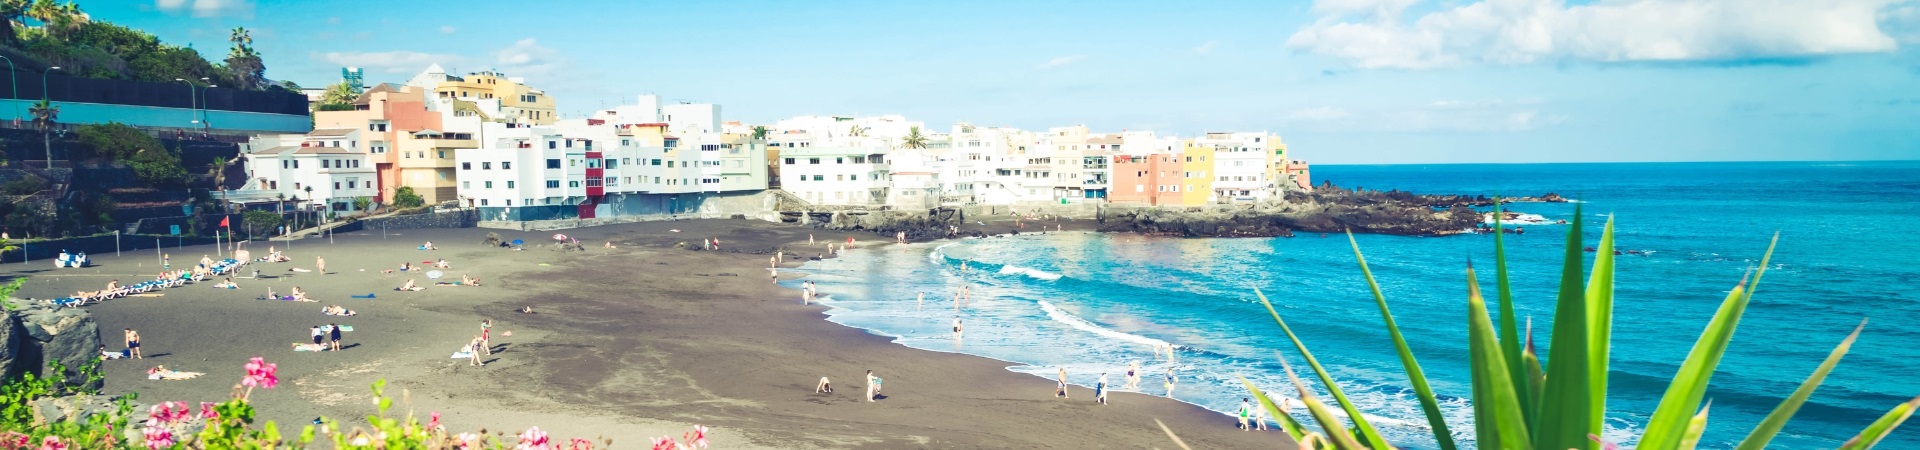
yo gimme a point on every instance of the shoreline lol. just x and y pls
(643, 340)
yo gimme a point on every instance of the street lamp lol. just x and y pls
(204, 125)
(46, 138)
(191, 98)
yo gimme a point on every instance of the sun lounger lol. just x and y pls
(368, 296)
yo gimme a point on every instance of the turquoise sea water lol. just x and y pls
(1093, 302)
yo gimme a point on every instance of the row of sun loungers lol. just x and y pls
(222, 267)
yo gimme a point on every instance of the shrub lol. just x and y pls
(404, 197)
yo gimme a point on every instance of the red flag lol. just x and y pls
(223, 221)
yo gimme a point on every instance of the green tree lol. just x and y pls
(338, 97)
(45, 116)
(362, 203)
(759, 132)
(243, 63)
(6, 290)
(914, 139)
(10, 13)
(261, 220)
(404, 197)
(158, 167)
(111, 141)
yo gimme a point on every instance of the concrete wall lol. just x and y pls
(151, 116)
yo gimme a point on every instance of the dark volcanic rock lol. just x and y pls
(38, 334)
(1328, 209)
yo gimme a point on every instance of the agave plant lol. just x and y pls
(1519, 404)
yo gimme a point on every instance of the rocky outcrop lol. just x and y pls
(918, 225)
(1326, 210)
(34, 335)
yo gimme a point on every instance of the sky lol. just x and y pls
(1342, 81)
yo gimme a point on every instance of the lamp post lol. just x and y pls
(192, 107)
(46, 138)
(204, 125)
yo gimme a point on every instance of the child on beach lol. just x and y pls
(1133, 376)
(317, 334)
(1246, 414)
(333, 335)
(1170, 381)
(473, 352)
(873, 385)
(486, 336)
(133, 344)
(825, 387)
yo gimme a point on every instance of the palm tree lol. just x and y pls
(914, 139)
(242, 39)
(857, 131)
(10, 13)
(220, 180)
(45, 116)
(338, 94)
(759, 132)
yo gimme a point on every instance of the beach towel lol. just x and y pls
(172, 375)
(346, 328)
(462, 355)
(148, 295)
(308, 347)
(364, 296)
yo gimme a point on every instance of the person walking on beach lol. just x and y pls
(486, 337)
(921, 301)
(1060, 390)
(320, 265)
(1100, 389)
(1260, 418)
(1246, 414)
(1170, 381)
(133, 344)
(873, 385)
(956, 327)
(473, 352)
(333, 335)
(1133, 376)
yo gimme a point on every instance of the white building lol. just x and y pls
(848, 173)
(1243, 164)
(312, 171)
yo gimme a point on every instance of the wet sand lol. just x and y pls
(643, 340)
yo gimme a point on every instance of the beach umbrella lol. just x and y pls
(559, 237)
(517, 243)
(434, 274)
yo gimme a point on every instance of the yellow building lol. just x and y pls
(426, 163)
(518, 102)
(1196, 167)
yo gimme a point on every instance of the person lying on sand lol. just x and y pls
(442, 264)
(105, 354)
(406, 266)
(337, 310)
(163, 373)
(526, 309)
(428, 246)
(299, 295)
(228, 284)
(304, 347)
(410, 286)
(610, 245)
(825, 387)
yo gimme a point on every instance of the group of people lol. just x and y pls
(166, 279)
(873, 386)
(480, 345)
(325, 337)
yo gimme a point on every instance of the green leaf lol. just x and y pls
(1509, 330)
(1695, 428)
(1565, 412)
(1294, 432)
(1336, 433)
(1599, 327)
(1498, 421)
(1762, 434)
(1366, 430)
(1879, 428)
(1414, 375)
(1689, 385)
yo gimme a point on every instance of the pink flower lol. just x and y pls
(157, 437)
(207, 412)
(166, 413)
(15, 439)
(52, 443)
(467, 440)
(697, 437)
(579, 444)
(261, 373)
(665, 443)
(435, 423)
(1603, 442)
(533, 439)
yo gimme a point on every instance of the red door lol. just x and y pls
(587, 207)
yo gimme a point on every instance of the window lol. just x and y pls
(669, 164)
(506, 165)
(573, 183)
(819, 178)
(483, 202)
(296, 164)
(789, 161)
(443, 154)
(509, 186)
(553, 163)
(283, 164)
(336, 185)
(486, 184)
(611, 163)
(813, 160)
(466, 166)
(466, 185)
(593, 163)
(483, 165)
(839, 160)
(656, 162)
(553, 145)
(553, 184)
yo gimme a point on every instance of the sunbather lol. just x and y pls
(299, 295)
(469, 281)
(104, 353)
(163, 373)
(410, 286)
(442, 264)
(228, 284)
(337, 310)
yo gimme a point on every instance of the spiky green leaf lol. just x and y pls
(1414, 375)
(1695, 428)
(1665, 429)
(1498, 421)
(1565, 414)
(1879, 429)
(1359, 422)
(1776, 420)
(1294, 432)
(1599, 327)
(1336, 433)
(1509, 329)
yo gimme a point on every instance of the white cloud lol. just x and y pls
(528, 57)
(1903, 22)
(1206, 47)
(393, 62)
(1320, 113)
(208, 8)
(1530, 31)
(1061, 62)
(448, 29)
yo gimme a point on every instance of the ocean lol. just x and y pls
(1092, 303)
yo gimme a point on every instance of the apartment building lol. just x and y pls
(309, 172)
(849, 172)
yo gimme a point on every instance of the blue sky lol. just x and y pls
(1343, 81)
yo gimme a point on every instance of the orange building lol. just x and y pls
(383, 113)
(1147, 179)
